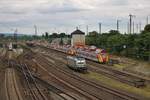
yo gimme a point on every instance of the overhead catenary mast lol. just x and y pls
(137, 28)
(147, 19)
(118, 24)
(130, 22)
(35, 28)
(133, 27)
(87, 29)
(128, 28)
(140, 26)
(15, 35)
(100, 28)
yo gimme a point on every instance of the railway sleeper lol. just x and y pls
(137, 84)
(27, 92)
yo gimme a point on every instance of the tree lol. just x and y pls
(93, 33)
(130, 45)
(145, 41)
(147, 28)
(62, 35)
(61, 42)
(43, 36)
(113, 32)
(116, 42)
(102, 40)
(2, 35)
(46, 35)
(54, 35)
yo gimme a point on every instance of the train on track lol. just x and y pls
(88, 52)
(76, 63)
(98, 55)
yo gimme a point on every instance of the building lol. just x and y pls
(78, 38)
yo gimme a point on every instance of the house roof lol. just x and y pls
(77, 32)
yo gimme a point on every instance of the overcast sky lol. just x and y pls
(65, 15)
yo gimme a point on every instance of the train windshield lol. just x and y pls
(80, 59)
(80, 63)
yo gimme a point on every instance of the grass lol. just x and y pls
(119, 66)
(145, 91)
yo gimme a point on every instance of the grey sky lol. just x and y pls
(65, 15)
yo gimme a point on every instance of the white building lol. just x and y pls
(78, 38)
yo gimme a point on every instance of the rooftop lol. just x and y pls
(78, 32)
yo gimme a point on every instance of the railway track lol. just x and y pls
(6, 54)
(112, 73)
(90, 87)
(74, 88)
(118, 75)
(3, 52)
(11, 87)
(36, 93)
(124, 77)
(56, 90)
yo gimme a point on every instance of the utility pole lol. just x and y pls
(118, 24)
(131, 16)
(147, 20)
(66, 31)
(137, 28)
(128, 27)
(35, 27)
(133, 27)
(140, 26)
(87, 30)
(77, 28)
(100, 28)
(130, 23)
(15, 36)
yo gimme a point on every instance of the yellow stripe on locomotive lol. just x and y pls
(99, 57)
(103, 58)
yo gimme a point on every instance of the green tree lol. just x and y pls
(116, 42)
(61, 42)
(54, 35)
(93, 33)
(62, 35)
(145, 45)
(147, 28)
(113, 32)
(46, 35)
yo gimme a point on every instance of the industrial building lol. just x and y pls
(78, 38)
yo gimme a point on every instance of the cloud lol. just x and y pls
(63, 8)
(67, 14)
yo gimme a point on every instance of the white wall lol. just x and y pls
(77, 39)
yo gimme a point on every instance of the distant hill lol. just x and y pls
(12, 34)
